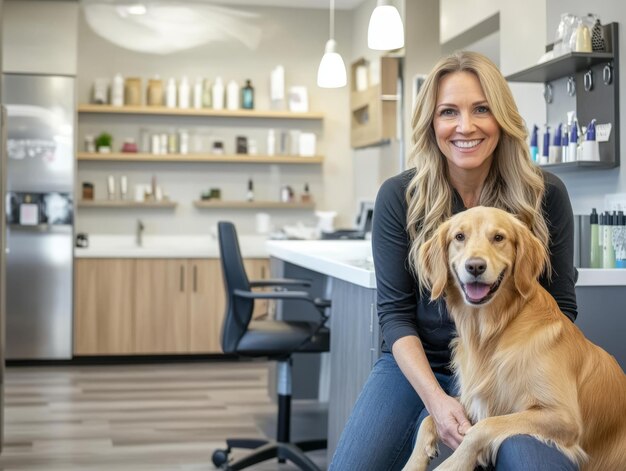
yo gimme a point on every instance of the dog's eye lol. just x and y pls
(498, 238)
(460, 237)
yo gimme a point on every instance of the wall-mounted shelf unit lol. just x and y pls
(211, 158)
(600, 101)
(215, 204)
(126, 204)
(164, 111)
(374, 109)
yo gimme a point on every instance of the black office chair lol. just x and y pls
(276, 340)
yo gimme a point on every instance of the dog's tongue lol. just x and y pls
(476, 291)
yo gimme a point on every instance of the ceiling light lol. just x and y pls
(332, 70)
(385, 31)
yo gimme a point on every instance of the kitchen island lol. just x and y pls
(355, 338)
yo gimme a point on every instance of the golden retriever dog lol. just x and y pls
(522, 366)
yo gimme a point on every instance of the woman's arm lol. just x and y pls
(560, 220)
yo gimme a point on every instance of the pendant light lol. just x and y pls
(385, 31)
(332, 71)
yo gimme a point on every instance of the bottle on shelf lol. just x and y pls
(232, 95)
(247, 96)
(306, 196)
(250, 192)
(218, 94)
(183, 93)
(207, 93)
(117, 90)
(271, 142)
(170, 93)
(608, 252)
(595, 249)
(197, 93)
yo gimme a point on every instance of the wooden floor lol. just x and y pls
(133, 417)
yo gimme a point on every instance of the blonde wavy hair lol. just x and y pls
(513, 184)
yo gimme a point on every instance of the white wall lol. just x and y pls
(457, 16)
(588, 187)
(40, 36)
(294, 38)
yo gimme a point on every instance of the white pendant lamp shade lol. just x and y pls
(332, 71)
(385, 31)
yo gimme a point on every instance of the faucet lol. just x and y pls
(139, 233)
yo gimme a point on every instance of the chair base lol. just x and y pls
(263, 450)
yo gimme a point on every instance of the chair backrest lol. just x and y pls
(238, 310)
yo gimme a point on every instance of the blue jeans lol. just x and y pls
(381, 430)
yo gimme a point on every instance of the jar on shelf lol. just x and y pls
(155, 92)
(132, 91)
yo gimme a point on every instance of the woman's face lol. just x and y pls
(466, 131)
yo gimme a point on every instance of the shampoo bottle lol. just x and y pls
(572, 147)
(271, 142)
(197, 93)
(591, 149)
(170, 93)
(534, 149)
(595, 252)
(620, 240)
(117, 91)
(608, 252)
(247, 96)
(250, 192)
(545, 151)
(183, 93)
(554, 155)
(564, 145)
(232, 95)
(218, 94)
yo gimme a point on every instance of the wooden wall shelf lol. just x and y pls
(125, 204)
(164, 111)
(211, 158)
(252, 204)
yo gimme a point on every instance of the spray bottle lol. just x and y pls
(534, 149)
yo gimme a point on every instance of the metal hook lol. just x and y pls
(588, 81)
(607, 74)
(548, 93)
(571, 86)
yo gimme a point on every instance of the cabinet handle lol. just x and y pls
(182, 278)
(195, 278)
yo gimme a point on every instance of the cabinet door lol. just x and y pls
(161, 306)
(206, 305)
(258, 269)
(104, 291)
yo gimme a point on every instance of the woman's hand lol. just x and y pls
(450, 419)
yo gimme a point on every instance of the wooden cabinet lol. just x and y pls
(161, 312)
(103, 306)
(374, 109)
(152, 306)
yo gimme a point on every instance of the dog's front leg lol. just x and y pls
(483, 440)
(425, 446)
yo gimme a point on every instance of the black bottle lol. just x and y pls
(247, 96)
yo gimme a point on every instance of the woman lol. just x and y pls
(470, 149)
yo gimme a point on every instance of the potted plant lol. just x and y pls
(104, 142)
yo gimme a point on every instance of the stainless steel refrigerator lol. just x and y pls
(39, 215)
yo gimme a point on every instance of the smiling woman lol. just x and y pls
(469, 150)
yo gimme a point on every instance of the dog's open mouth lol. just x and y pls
(480, 293)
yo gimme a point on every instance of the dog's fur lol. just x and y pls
(523, 367)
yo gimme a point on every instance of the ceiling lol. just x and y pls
(323, 4)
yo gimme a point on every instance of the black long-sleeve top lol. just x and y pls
(401, 309)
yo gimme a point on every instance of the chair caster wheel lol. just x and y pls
(219, 457)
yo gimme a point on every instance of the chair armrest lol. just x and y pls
(295, 295)
(280, 282)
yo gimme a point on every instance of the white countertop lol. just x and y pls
(123, 246)
(348, 260)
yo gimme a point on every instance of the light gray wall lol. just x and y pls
(40, 36)
(294, 38)
(587, 188)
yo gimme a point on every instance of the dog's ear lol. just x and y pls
(530, 259)
(433, 262)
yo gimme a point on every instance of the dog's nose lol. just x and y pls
(476, 266)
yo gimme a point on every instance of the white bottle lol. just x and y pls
(271, 142)
(170, 93)
(197, 93)
(183, 93)
(218, 94)
(117, 91)
(232, 95)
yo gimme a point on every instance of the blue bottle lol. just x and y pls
(534, 149)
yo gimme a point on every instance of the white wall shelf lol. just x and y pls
(251, 204)
(125, 204)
